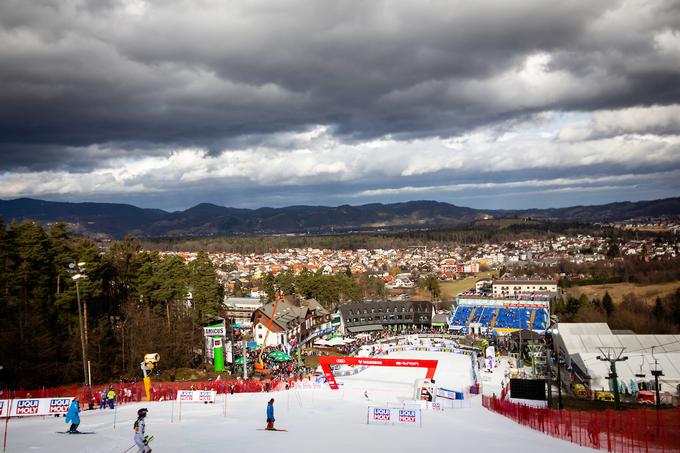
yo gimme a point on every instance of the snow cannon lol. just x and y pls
(150, 362)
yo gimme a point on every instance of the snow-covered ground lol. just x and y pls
(317, 421)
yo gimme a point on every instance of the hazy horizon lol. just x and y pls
(327, 205)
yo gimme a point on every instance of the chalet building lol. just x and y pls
(293, 321)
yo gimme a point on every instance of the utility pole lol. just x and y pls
(656, 372)
(535, 351)
(77, 277)
(613, 355)
(559, 381)
(548, 367)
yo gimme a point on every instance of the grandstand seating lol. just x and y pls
(499, 318)
(460, 317)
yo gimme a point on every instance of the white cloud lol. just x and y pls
(615, 139)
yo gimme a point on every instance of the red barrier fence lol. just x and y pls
(134, 392)
(629, 431)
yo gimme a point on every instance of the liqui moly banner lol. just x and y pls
(196, 396)
(379, 415)
(408, 417)
(394, 416)
(35, 406)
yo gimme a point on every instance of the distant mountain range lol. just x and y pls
(117, 220)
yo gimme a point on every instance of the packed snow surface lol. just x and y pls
(317, 421)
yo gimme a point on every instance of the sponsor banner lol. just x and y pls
(490, 362)
(196, 396)
(35, 406)
(379, 415)
(307, 385)
(216, 331)
(445, 393)
(394, 416)
(408, 416)
(319, 333)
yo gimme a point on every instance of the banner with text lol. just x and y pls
(196, 396)
(34, 406)
(393, 416)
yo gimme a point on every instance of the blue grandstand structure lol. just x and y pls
(487, 313)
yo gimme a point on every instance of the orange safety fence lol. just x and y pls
(628, 431)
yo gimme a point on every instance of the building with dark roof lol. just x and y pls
(369, 316)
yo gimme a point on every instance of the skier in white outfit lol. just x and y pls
(140, 438)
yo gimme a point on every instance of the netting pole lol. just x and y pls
(9, 413)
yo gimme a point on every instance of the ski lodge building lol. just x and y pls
(293, 321)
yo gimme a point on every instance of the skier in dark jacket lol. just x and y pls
(270, 415)
(73, 416)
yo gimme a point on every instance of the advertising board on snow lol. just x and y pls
(196, 396)
(380, 414)
(35, 406)
(394, 416)
(407, 416)
(59, 405)
(27, 407)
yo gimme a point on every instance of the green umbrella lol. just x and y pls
(279, 356)
(239, 361)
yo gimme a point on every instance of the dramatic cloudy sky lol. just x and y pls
(493, 104)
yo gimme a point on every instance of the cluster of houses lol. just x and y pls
(395, 266)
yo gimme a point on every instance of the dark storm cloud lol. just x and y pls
(84, 82)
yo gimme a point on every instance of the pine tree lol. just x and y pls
(207, 293)
(608, 304)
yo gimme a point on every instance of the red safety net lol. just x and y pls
(629, 431)
(134, 392)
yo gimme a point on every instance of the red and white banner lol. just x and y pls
(326, 361)
(196, 396)
(34, 406)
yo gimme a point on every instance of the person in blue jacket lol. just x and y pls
(270, 415)
(73, 416)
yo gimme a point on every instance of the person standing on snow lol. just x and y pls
(73, 416)
(111, 396)
(139, 427)
(102, 399)
(270, 415)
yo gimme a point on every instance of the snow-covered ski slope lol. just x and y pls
(316, 420)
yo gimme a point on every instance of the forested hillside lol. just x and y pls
(134, 302)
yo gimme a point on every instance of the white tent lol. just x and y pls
(337, 341)
(581, 343)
